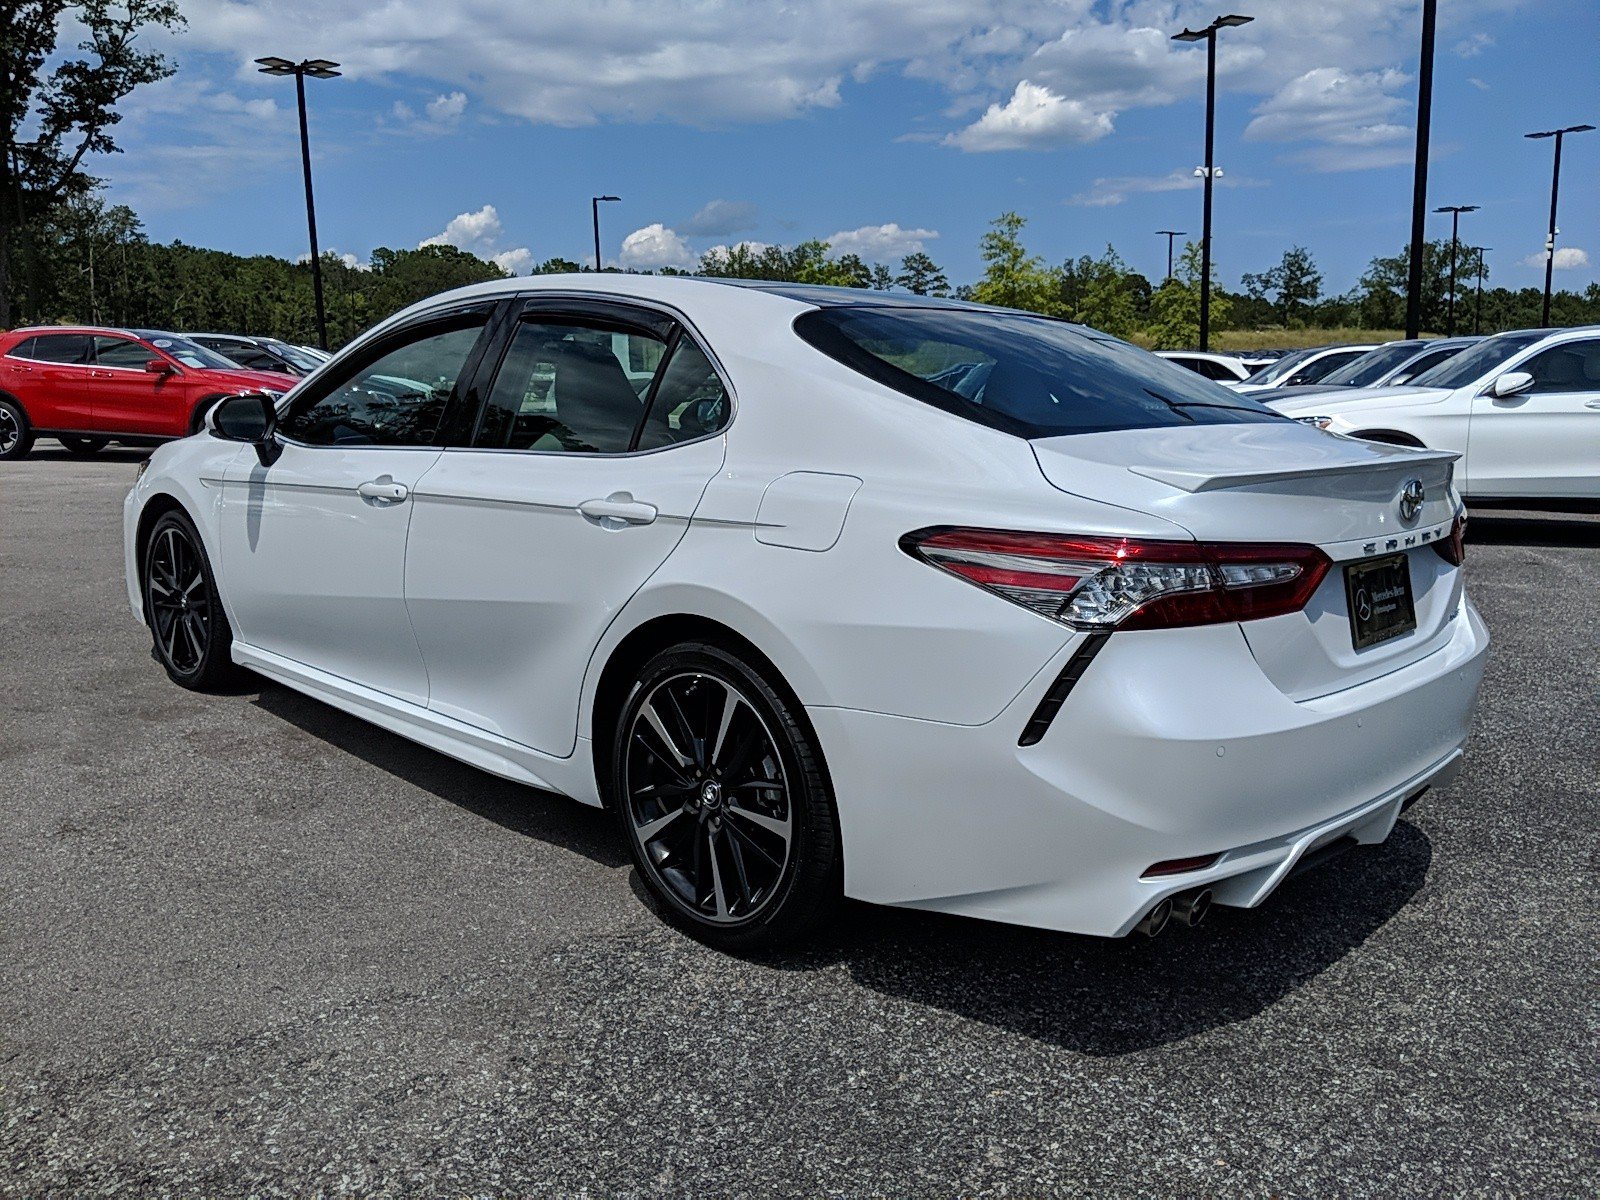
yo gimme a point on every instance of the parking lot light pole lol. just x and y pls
(317, 68)
(1209, 172)
(1555, 192)
(1455, 211)
(1169, 234)
(594, 209)
(1477, 308)
(1419, 180)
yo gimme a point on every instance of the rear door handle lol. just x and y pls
(383, 488)
(617, 510)
(1591, 403)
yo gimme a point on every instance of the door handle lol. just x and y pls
(383, 488)
(1591, 403)
(617, 510)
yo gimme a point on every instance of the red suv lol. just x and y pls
(86, 387)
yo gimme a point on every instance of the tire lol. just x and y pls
(197, 418)
(83, 447)
(732, 826)
(189, 632)
(16, 435)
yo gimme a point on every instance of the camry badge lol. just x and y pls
(1411, 498)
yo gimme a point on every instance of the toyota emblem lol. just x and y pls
(1411, 498)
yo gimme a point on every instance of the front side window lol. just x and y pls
(397, 399)
(1030, 376)
(120, 352)
(75, 349)
(1573, 367)
(571, 387)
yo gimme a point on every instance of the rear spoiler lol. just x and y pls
(1201, 480)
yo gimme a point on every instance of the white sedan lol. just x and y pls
(1522, 409)
(826, 592)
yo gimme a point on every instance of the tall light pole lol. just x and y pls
(317, 68)
(1477, 309)
(1555, 192)
(594, 210)
(1169, 234)
(1455, 211)
(1209, 172)
(1419, 179)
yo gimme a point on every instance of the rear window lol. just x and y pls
(1030, 376)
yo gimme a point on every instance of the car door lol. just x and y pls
(1543, 441)
(55, 383)
(600, 431)
(313, 545)
(130, 398)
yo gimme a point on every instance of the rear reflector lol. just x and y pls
(1179, 866)
(1126, 583)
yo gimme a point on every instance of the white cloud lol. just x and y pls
(720, 218)
(1473, 45)
(1349, 118)
(446, 110)
(881, 243)
(653, 247)
(1568, 258)
(1115, 189)
(1035, 118)
(439, 115)
(481, 233)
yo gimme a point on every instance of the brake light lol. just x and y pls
(1454, 548)
(1127, 583)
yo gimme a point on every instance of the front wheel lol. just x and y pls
(16, 436)
(84, 447)
(192, 640)
(721, 794)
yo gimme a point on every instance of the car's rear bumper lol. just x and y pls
(1173, 744)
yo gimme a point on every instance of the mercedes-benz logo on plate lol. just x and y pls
(1411, 498)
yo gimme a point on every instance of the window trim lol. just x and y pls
(370, 350)
(626, 314)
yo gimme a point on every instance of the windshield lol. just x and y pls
(190, 354)
(1470, 364)
(1025, 375)
(1373, 365)
(295, 356)
(1276, 370)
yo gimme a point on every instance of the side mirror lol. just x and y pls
(250, 417)
(158, 366)
(1510, 384)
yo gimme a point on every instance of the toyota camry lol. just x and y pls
(825, 593)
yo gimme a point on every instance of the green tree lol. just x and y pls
(882, 278)
(1175, 305)
(402, 277)
(921, 276)
(50, 124)
(1291, 286)
(1102, 293)
(1012, 277)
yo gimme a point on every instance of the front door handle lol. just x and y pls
(1591, 403)
(383, 488)
(617, 510)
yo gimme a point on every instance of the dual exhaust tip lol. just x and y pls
(1188, 908)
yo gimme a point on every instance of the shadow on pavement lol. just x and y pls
(1556, 530)
(552, 819)
(46, 450)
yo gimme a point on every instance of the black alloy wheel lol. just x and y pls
(190, 632)
(722, 796)
(16, 438)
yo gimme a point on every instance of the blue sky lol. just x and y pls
(884, 125)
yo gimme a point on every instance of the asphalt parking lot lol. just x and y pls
(249, 944)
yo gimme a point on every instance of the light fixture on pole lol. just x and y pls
(594, 209)
(1555, 192)
(1169, 234)
(1210, 172)
(317, 68)
(1455, 211)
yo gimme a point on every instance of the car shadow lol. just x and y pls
(1541, 530)
(48, 451)
(543, 816)
(1095, 996)
(1107, 997)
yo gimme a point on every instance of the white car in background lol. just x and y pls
(908, 600)
(1390, 365)
(1224, 368)
(1522, 410)
(1302, 367)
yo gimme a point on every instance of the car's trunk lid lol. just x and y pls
(1287, 482)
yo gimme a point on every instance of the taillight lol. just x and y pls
(1127, 583)
(1454, 548)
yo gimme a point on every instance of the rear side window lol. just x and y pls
(1030, 376)
(74, 348)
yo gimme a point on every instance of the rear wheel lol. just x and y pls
(16, 436)
(83, 447)
(721, 795)
(190, 632)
